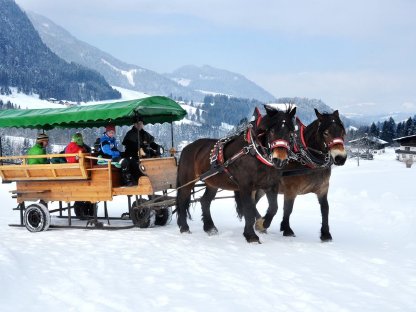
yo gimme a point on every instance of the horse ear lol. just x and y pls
(293, 112)
(336, 113)
(318, 114)
(269, 110)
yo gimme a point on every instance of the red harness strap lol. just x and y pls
(302, 128)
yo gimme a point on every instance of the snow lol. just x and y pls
(129, 74)
(369, 266)
(183, 81)
(28, 101)
(281, 106)
(32, 101)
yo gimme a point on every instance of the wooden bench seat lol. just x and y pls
(44, 172)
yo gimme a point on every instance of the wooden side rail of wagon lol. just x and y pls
(15, 168)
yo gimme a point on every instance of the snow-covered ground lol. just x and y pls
(369, 266)
(32, 101)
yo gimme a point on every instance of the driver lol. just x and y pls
(148, 147)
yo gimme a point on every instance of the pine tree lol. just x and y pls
(26, 146)
(374, 131)
(388, 131)
(409, 127)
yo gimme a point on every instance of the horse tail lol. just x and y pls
(238, 205)
(184, 176)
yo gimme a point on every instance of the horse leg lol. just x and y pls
(287, 211)
(257, 195)
(183, 200)
(325, 234)
(249, 212)
(206, 200)
(263, 224)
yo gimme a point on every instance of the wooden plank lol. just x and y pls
(35, 172)
(94, 189)
(144, 187)
(16, 172)
(161, 172)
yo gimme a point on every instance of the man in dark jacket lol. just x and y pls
(148, 147)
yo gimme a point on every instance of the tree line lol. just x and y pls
(387, 130)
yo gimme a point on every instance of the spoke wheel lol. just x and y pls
(163, 216)
(142, 216)
(37, 218)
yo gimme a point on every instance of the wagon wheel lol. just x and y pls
(141, 215)
(37, 218)
(163, 216)
(84, 209)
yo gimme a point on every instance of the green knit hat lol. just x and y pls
(77, 138)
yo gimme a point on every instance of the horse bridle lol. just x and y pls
(266, 157)
(334, 141)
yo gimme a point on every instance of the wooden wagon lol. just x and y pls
(85, 183)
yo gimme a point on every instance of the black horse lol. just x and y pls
(317, 147)
(247, 161)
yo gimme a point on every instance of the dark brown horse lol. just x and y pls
(318, 146)
(248, 161)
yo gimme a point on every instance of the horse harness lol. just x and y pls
(253, 147)
(304, 154)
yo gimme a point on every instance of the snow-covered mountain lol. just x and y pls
(28, 64)
(188, 82)
(115, 71)
(212, 80)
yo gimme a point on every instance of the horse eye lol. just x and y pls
(326, 133)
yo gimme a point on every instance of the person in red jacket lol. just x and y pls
(76, 146)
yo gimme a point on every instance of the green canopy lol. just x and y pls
(154, 109)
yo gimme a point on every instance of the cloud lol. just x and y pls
(354, 18)
(409, 107)
(350, 91)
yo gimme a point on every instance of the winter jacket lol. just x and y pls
(131, 145)
(73, 148)
(37, 149)
(108, 147)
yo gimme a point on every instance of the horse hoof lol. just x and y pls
(326, 237)
(213, 231)
(253, 239)
(289, 233)
(185, 230)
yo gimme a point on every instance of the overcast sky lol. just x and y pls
(354, 55)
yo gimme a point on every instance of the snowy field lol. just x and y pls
(369, 266)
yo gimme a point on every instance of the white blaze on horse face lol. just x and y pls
(338, 150)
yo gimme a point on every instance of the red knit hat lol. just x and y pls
(110, 127)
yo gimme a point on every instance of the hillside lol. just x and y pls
(218, 81)
(188, 82)
(28, 64)
(115, 71)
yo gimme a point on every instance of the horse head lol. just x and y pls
(331, 134)
(278, 126)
